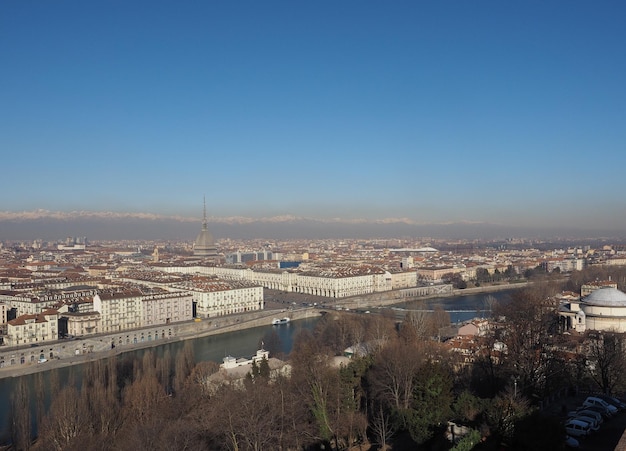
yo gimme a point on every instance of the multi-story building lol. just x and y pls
(403, 279)
(565, 264)
(3, 312)
(131, 309)
(163, 307)
(587, 288)
(119, 310)
(81, 323)
(214, 297)
(245, 257)
(38, 328)
(430, 274)
(36, 301)
(331, 281)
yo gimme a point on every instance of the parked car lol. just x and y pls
(587, 412)
(571, 442)
(593, 423)
(601, 410)
(577, 428)
(595, 401)
(613, 401)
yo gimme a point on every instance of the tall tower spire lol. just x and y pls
(204, 245)
(204, 226)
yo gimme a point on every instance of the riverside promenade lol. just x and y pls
(278, 304)
(99, 346)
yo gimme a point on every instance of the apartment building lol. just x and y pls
(435, 274)
(165, 307)
(132, 308)
(218, 297)
(28, 329)
(31, 303)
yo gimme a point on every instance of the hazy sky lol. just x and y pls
(498, 111)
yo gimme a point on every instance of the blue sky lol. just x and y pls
(506, 112)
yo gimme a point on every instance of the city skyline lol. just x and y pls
(509, 116)
(54, 226)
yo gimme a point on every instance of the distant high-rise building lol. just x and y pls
(244, 257)
(204, 246)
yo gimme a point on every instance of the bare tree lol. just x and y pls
(20, 416)
(393, 373)
(66, 421)
(141, 397)
(40, 396)
(382, 426)
(490, 304)
(419, 323)
(380, 330)
(200, 377)
(531, 321)
(164, 371)
(606, 354)
(183, 366)
(439, 320)
(102, 401)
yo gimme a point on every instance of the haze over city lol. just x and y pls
(335, 119)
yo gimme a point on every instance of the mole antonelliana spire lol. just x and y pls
(204, 227)
(204, 246)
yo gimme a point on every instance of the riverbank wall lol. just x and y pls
(388, 298)
(62, 353)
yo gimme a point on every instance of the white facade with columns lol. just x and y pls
(337, 282)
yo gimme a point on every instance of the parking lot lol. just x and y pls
(607, 438)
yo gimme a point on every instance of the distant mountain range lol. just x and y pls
(51, 225)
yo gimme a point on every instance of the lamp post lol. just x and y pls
(515, 379)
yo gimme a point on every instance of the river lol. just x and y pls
(461, 308)
(243, 343)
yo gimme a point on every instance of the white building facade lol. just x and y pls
(30, 329)
(220, 299)
(604, 309)
(337, 282)
(131, 309)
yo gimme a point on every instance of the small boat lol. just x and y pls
(276, 321)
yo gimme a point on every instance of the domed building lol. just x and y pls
(603, 309)
(204, 246)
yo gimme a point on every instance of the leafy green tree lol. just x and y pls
(467, 407)
(254, 370)
(510, 273)
(468, 442)
(264, 369)
(505, 410)
(482, 275)
(432, 400)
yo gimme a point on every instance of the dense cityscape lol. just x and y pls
(412, 235)
(557, 336)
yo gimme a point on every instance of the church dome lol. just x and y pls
(606, 297)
